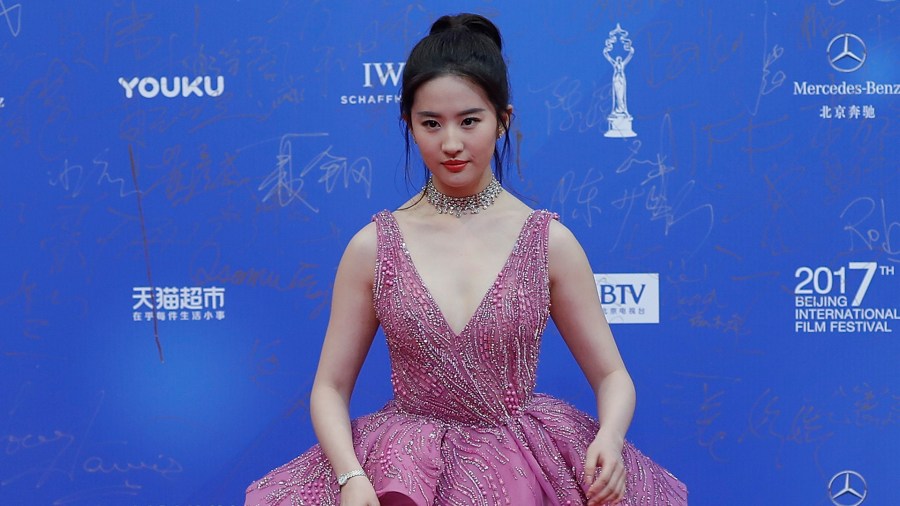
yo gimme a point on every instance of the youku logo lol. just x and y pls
(151, 87)
(377, 75)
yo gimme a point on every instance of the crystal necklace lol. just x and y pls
(458, 206)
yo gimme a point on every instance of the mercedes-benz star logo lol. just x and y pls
(847, 488)
(846, 52)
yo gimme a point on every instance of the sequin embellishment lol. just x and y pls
(465, 426)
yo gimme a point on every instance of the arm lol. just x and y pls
(351, 329)
(575, 308)
(606, 54)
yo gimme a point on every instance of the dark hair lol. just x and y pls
(464, 45)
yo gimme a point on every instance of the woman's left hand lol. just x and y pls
(608, 485)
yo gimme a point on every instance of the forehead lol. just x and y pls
(450, 94)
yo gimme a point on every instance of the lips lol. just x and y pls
(454, 165)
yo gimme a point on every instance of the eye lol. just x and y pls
(471, 121)
(430, 123)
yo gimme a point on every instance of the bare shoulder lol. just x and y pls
(561, 240)
(361, 253)
(566, 255)
(364, 243)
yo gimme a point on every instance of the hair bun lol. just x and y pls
(471, 22)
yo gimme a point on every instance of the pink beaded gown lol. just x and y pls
(465, 426)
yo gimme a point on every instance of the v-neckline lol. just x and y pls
(486, 295)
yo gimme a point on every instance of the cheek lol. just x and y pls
(489, 144)
(428, 147)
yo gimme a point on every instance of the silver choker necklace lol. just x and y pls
(458, 206)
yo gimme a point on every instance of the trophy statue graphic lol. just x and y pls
(619, 118)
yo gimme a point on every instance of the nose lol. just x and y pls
(452, 143)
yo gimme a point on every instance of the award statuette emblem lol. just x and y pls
(619, 118)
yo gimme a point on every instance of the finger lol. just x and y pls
(621, 480)
(613, 492)
(589, 472)
(590, 469)
(608, 482)
(615, 488)
(599, 489)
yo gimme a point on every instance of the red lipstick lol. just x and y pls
(454, 165)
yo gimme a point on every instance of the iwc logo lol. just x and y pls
(378, 76)
(847, 488)
(846, 52)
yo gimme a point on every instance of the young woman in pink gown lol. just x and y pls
(463, 278)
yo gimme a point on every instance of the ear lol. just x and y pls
(506, 117)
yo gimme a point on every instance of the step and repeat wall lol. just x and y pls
(182, 178)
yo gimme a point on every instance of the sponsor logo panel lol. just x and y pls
(629, 297)
(187, 303)
(380, 84)
(171, 87)
(847, 53)
(830, 299)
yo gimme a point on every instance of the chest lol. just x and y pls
(458, 268)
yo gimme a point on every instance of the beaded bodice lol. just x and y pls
(486, 373)
(465, 426)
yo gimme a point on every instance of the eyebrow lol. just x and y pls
(429, 114)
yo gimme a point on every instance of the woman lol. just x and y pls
(465, 426)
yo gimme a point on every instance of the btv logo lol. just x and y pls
(384, 72)
(621, 294)
(629, 298)
(150, 87)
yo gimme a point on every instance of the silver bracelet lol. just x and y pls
(342, 479)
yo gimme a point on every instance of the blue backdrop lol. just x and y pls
(211, 160)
